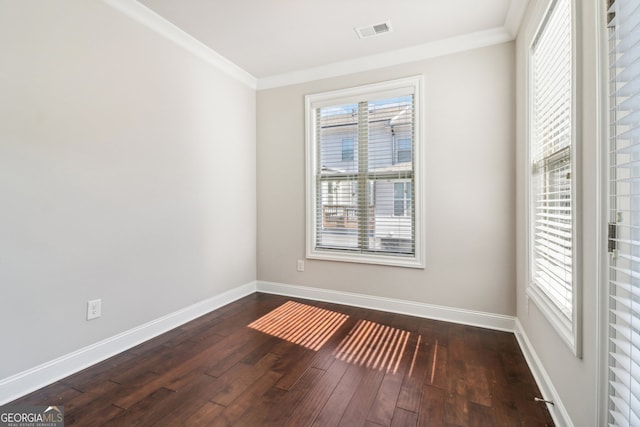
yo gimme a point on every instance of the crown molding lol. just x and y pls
(147, 17)
(516, 12)
(400, 56)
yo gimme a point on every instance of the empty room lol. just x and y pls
(336, 213)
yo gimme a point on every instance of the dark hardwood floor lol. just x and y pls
(267, 360)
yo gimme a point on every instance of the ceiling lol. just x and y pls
(271, 38)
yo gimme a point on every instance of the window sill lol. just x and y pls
(377, 259)
(565, 328)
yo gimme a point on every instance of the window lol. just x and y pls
(623, 290)
(363, 174)
(402, 198)
(347, 150)
(552, 251)
(403, 150)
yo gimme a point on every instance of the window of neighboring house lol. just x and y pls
(552, 252)
(402, 198)
(403, 150)
(347, 149)
(363, 174)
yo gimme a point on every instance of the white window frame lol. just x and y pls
(371, 91)
(602, 197)
(570, 330)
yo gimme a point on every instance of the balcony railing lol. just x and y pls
(343, 216)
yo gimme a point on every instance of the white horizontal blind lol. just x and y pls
(551, 140)
(624, 187)
(364, 176)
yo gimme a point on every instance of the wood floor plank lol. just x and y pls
(293, 366)
(404, 418)
(197, 361)
(280, 404)
(94, 404)
(316, 397)
(151, 346)
(480, 415)
(420, 363)
(204, 415)
(386, 400)
(242, 403)
(432, 407)
(504, 405)
(325, 356)
(244, 381)
(235, 351)
(145, 411)
(218, 371)
(456, 409)
(438, 375)
(53, 394)
(99, 373)
(186, 402)
(333, 410)
(477, 384)
(362, 400)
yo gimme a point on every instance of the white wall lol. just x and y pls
(127, 173)
(470, 189)
(574, 379)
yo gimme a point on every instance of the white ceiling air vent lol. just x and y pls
(373, 30)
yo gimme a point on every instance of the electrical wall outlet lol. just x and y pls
(300, 265)
(94, 309)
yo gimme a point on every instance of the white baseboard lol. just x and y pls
(448, 314)
(557, 410)
(35, 378)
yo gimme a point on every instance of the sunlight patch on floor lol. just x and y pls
(300, 324)
(373, 345)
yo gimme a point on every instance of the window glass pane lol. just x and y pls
(378, 218)
(338, 126)
(389, 121)
(338, 223)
